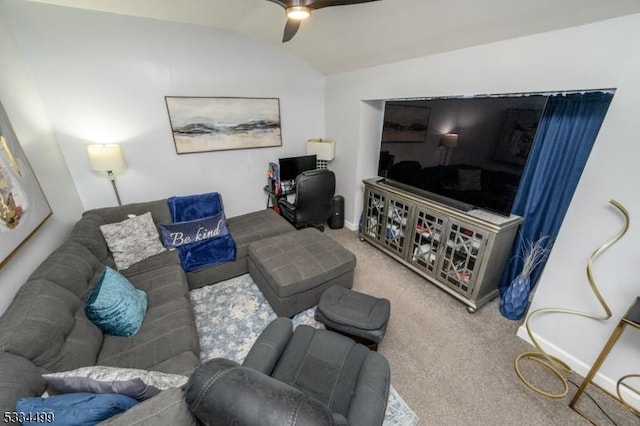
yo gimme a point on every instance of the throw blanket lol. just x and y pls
(200, 242)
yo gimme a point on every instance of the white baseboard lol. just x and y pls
(580, 367)
(351, 226)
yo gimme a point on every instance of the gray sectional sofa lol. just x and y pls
(45, 328)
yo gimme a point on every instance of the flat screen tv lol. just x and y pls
(465, 152)
(292, 166)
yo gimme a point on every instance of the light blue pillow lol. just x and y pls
(72, 409)
(115, 305)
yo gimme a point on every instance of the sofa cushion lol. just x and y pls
(132, 240)
(158, 208)
(46, 323)
(87, 232)
(168, 330)
(162, 285)
(255, 226)
(115, 305)
(71, 266)
(136, 383)
(167, 340)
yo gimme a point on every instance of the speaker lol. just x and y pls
(336, 221)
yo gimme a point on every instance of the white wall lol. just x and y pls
(103, 79)
(31, 124)
(600, 55)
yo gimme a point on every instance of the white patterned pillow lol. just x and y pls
(138, 384)
(132, 240)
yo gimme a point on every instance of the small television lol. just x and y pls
(464, 152)
(291, 167)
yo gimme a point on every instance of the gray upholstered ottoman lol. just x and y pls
(294, 269)
(360, 316)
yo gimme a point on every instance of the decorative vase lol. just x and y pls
(515, 300)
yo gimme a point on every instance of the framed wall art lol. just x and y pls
(405, 123)
(517, 135)
(23, 205)
(202, 124)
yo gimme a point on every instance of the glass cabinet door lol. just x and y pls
(461, 257)
(428, 230)
(396, 217)
(373, 218)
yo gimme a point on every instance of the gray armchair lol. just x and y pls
(312, 204)
(302, 377)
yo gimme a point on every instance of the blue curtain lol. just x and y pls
(567, 131)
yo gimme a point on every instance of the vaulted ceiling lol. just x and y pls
(337, 39)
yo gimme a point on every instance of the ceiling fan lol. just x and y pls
(299, 10)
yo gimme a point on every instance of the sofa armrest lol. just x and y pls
(221, 392)
(266, 350)
(372, 392)
(168, 408)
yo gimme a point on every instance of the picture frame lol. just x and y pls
(405, 123)
(203, 124)
(516, 137)
(23, 205)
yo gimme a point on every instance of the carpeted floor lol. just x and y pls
(456, 368)
(230, 316)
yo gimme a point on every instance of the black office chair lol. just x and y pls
(312, 204)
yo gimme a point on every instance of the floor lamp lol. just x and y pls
(448, 141)
(107, 158)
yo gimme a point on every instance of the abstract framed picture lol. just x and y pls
(23, 206)
(517, 135)
(405, 123)
(202, 124)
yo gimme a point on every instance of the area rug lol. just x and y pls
(229, 317)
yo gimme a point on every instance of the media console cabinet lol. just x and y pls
(463, 253)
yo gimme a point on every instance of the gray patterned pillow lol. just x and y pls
(132, 240)
(138, 384)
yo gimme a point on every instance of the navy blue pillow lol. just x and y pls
(72, 409)
(192, 231)
(115, 305)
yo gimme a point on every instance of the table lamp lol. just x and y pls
(323, 149)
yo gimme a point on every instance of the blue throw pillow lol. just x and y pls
(115, 305)
(72, 409)
(192, 231)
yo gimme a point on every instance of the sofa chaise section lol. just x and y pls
(45, 329)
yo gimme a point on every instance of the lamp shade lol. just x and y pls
(104, 158)
(449, 140)
(323, 149)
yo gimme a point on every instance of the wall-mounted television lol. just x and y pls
(465, 152)
(291, 167)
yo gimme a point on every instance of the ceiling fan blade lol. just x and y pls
(319, 4)
(290, 29)
(280, 2)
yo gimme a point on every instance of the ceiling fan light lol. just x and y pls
(298, 12)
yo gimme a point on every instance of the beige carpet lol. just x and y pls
(456, 368)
